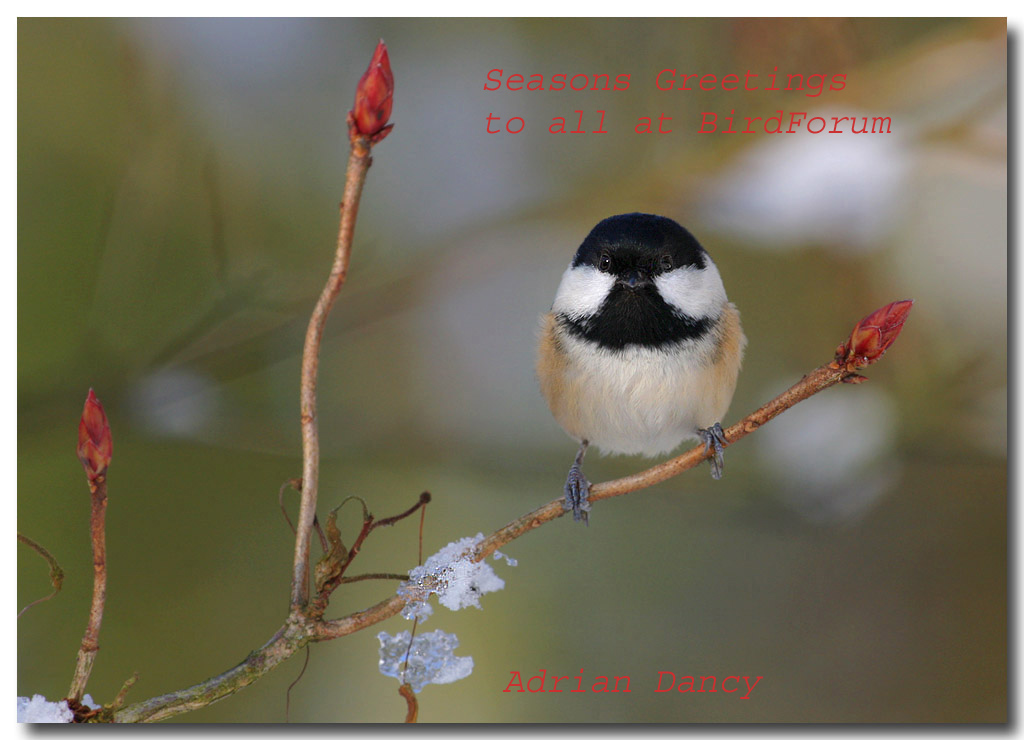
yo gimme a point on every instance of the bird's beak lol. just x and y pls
(634, 279)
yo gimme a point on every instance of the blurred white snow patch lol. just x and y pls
(453, 576)
(828, 455)
(38, 709)
(175, 402)
(840, 190)
(431, 660)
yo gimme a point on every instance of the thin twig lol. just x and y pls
(412, 711)
(326, 588)
(119, 699)
(424, 500)
(288, 693)
(296, 484)
(56, 572)
(814, 382)
(408, 650)
(423, 518)
(330, 571)
(90, 640)
(358, 163)
(374, 576)
(104, 713)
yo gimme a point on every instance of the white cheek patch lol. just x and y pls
(582, 291)
(693, 291)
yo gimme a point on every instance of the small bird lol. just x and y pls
(641, 348)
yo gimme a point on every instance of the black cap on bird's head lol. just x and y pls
(639, 279)
(635, 247)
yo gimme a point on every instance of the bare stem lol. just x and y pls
(374, 577)
(56, 572)
(90, 640)
(358, 163)
(412, 711)
(125, 687)
(392, 520)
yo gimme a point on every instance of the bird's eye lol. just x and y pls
(666, 262)
(605, 263)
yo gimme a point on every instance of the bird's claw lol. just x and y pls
(577, 489)
(713, 436)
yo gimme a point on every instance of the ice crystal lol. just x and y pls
(431, 660)
(453, 576)
(420, 610)
(511, 561)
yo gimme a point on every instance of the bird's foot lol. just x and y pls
(577, 489)
(713, 436)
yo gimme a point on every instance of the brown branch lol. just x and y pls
(374, 577)
(359, 161)
(125, 687)
(814, 382)
(412, 711)
(391, 520)
(367, 125)
(90, 640)
(331, 629)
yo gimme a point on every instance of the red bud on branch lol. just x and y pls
(94, 442)
(372, 109)
(873, 335)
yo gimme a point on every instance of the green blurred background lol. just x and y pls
(178, 184)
